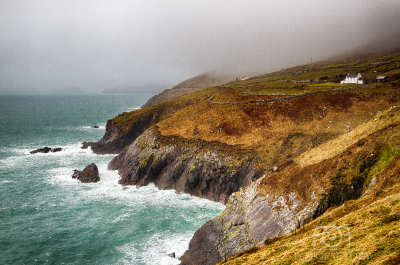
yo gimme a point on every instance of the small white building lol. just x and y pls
(353, 79)
(245, 78)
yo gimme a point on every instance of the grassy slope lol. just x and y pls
(275, 130)
(362, 231)
(278, 82)
(373, 220)
(311, 130)
(189, 86)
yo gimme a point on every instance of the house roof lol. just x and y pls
(352, 75)
(381, 77)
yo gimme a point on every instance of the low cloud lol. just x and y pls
(96, 45)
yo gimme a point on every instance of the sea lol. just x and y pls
(46, 217)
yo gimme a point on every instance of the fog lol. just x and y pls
(101, 44)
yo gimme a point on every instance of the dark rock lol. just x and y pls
(41, 150)
(46, 149)
(95, 127)
(58, 149)
(186, 167)
(88, 175)
(76, 174)
(85, 145)
(172, 254)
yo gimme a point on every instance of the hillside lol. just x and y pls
(279, 149)
(301, 189)
(188, 86)
(361, 231)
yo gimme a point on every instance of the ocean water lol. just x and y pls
(46, 217)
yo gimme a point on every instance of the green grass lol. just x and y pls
(384, 159)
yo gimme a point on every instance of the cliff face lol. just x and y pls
(194, 167)
(296, 192)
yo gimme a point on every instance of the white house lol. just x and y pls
(245, 78)
(353, 79)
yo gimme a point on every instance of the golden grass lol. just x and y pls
(267, 123)
(367, 231)
(336, 146)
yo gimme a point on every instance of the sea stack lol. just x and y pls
(88, 175)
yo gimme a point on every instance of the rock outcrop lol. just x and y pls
(46, 150)
(195, 167)
(88, 175)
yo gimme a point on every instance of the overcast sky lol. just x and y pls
(99, 44)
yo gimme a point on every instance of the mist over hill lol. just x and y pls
(150, 89)
(100, 45)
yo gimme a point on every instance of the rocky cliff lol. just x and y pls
(278, 153)
(297, 191)
(191, 166)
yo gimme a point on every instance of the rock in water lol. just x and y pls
(41, 150)
(46, 149)
(58, 149)
(76, 174)
(88, 175)
(172, 254)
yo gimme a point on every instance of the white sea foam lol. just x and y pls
(26, 149)
(86, 128)
(6, 181)
(121, 217)
(23, 150)
(154, 251)
(102, 127)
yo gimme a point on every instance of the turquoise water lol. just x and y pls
(46, 217)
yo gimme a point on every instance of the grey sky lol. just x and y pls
(99, 44)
